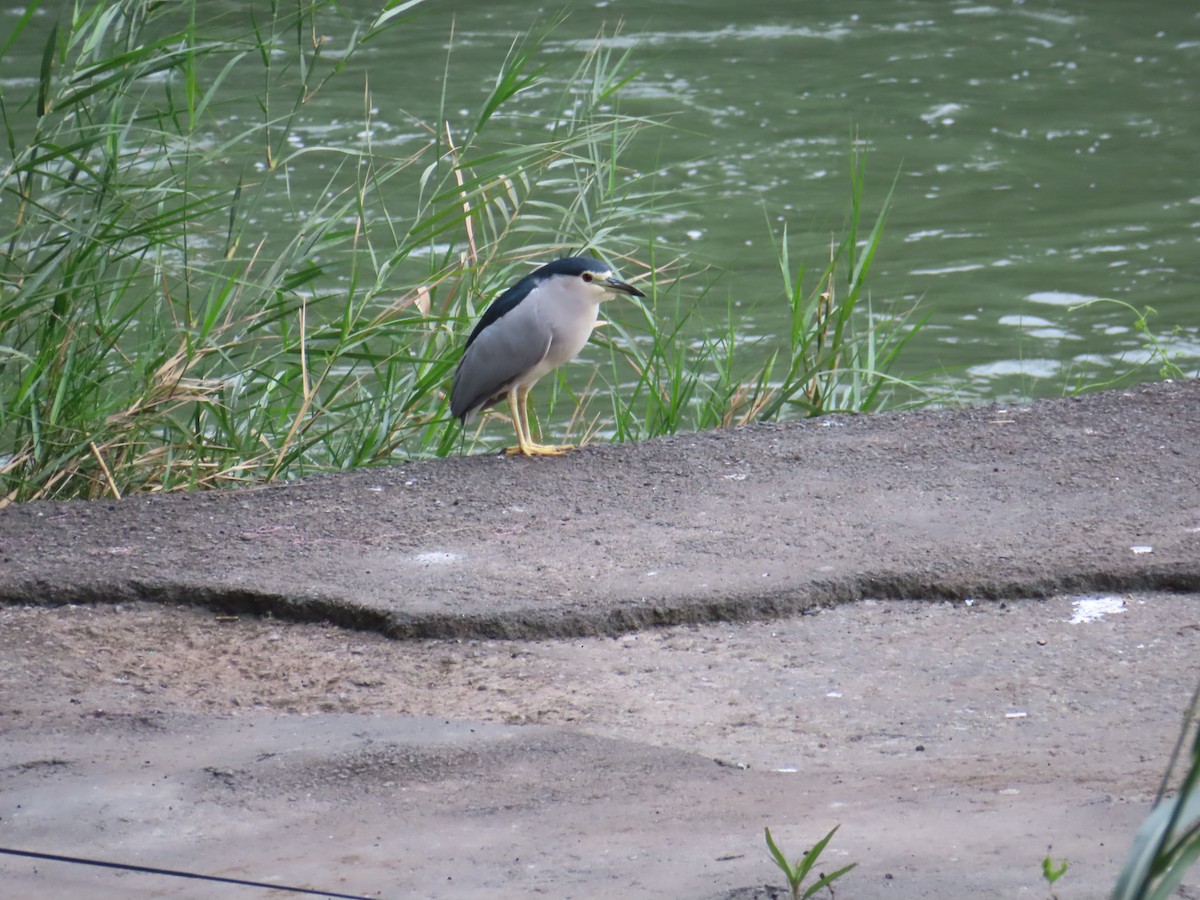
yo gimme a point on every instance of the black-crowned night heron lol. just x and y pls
(534, 327)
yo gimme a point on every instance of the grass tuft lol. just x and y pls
(797, 872)
(836, 356)
(177, 313)
(1167, 845)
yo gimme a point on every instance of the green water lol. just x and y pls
(1043, 154)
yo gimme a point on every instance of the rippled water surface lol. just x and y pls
(1044, 154)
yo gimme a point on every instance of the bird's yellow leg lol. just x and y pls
(517, 409)
(518, 399)
(539, 449)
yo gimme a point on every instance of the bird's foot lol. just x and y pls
(532, 450)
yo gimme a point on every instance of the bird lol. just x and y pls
(529, 330)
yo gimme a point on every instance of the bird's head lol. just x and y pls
(584, 273)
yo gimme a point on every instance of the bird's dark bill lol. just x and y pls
(617, 285)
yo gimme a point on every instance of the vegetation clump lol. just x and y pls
(176, 313)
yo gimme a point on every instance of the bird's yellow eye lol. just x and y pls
(588, 276)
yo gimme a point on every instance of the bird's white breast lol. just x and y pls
(568, 318)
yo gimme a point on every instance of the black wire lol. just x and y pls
(151, 870)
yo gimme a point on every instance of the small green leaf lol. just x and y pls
(827, 880)
(811, 857)
(1051, 872)
(777, 855)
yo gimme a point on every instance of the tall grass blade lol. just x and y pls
(1168, 843)
(44, 74)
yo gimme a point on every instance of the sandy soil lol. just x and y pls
(955, 740)
(977, 738)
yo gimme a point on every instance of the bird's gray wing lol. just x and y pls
(499, 355)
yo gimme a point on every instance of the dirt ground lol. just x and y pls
(967, 638)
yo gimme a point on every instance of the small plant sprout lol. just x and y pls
(1052, 872)
(797, 871)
